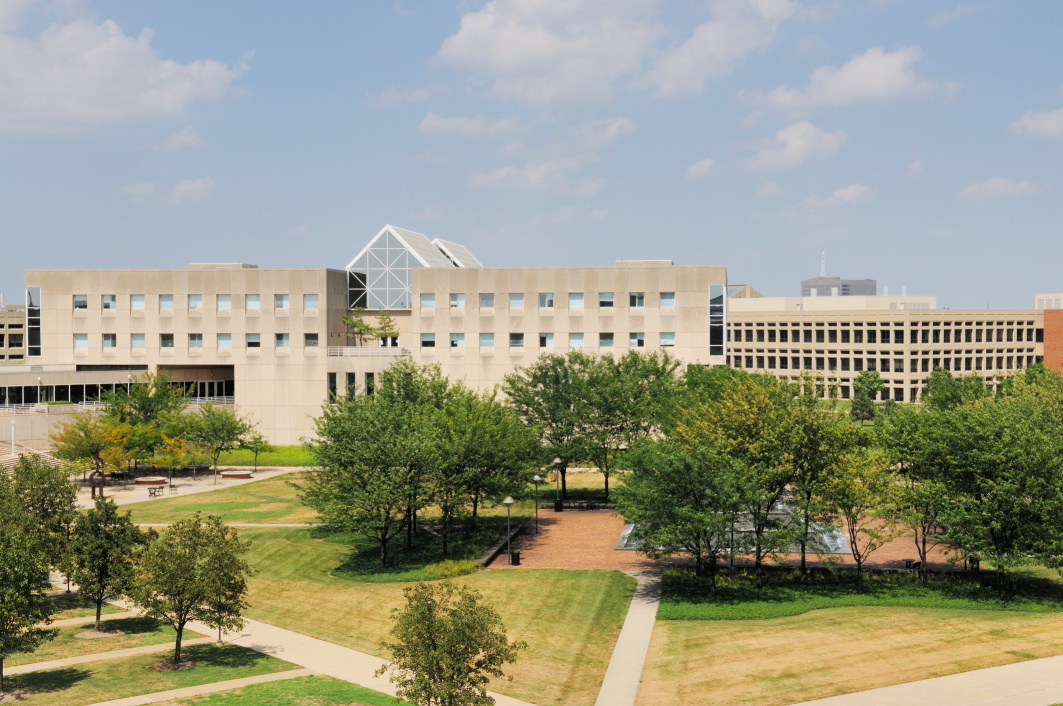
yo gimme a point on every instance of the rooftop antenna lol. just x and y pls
(823, 264)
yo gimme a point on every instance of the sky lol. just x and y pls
(916, 142)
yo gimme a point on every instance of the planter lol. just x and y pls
(151, 480)
(236, 475)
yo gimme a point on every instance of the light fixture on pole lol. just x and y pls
(558, 506)
(508, 502)
(537, 479)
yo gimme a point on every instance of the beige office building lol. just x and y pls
(12, 335)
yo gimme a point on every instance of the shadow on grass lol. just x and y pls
(47, 682)
(787, 593)
(227, 656)
(129, 626)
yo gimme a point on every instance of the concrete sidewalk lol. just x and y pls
(85, 619)
(103, 656)
(127, 494)
(174, 694)
(621, 683)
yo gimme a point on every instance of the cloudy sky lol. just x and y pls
(918, 142)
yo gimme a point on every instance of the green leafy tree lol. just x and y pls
(943, 391)
(105, 545)
(446, 644)
(359, 328)
(194, 570)
(866, 387)
(217, 430)
(682, 501)
(47, 500)
(257, 444)
(143, 407)
(83, 438)
(386, 328)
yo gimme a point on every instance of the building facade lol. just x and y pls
(12, 335)
(838, 287)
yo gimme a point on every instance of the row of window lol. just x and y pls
(195, 340)
(546, 340)
(14, 340)
(195, 301)
(872, 336)
(886, 365)
(606, 300)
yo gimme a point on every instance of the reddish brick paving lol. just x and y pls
(585, 539)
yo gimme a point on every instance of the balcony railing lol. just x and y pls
(367, 351)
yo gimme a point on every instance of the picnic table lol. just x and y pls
(156, 491)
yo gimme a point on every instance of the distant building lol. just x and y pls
(12, 334)
(838, 287)
(1048, 301)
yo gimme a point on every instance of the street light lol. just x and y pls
(508, 502)
(558, 507)
(537, 479)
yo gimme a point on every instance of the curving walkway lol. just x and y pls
(622, 678)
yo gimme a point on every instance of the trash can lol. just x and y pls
(514, 558)
(558, 506)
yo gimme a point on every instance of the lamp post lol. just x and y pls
(13, 438)
(508, 502)
(558, 506)
(537, 479)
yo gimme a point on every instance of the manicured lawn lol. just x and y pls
(827, 652)
(112, 679)
(283, 456)
(304, 691)
(267, 501)
(582, 485)
(135, 632)
(570, 619)
(72, 605)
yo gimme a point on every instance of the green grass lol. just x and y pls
(113, 679)
(135, 632)
(268, 501)
(281, 456)
(73, 605)
(570, 619)
(304, 691)
(685, 597)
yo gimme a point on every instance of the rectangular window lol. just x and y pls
(195, 301)
(109, 301)
(487, 301)
(225, 340)
(332, 387)
(457, 340)
(309, 340)
(457, 301)
(136, 302)
(81, 301)
(516, 301)
(81, 340)
(637, 340)
(252, 301)
(516, 340)
(636, 299)
(605, 340)
(575, 300)
(428, 340)
(575, 340)
(280, 340)
(428, 301)
(667, 339)
(254, 340)
(136, 340)
(165, 302)
(605, 300)
(195, 340)
(225, 302)
(667, 300)
(309, 301)
(165, 340)
(546, 340)
(110, 340)
(546, 300)
(487, 340)
(717, 320)
(280, 301)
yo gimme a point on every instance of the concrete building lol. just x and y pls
(12, 335)
(824, 286)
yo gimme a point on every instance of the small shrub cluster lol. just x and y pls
(452, 568)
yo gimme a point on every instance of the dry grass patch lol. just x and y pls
(829, 652)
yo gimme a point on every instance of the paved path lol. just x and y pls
(1038, 682)
(239, 524)
(174, 694)
(92, 619)
(127, 494)
(101, 656)
(621, 683)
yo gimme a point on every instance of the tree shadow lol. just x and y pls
(47, 682)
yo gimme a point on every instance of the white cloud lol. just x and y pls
(737, 29)
(844, 196)
(947, 17)
(11, 12)
(82, 74)
(604, 133)
(188, 138)
(916, 170)
(1047, 124)
(875, 75)
(700, 168)
(553, 50)
(999, 187)
(795, 144)
(467, 126)
(394, 96)
(140, 192)
(550, 174)
(188, 191)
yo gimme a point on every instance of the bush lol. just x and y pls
(451, 568)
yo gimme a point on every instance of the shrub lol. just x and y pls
(451, 568)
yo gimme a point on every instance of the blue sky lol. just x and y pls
(917, 142)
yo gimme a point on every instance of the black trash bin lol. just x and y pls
(558, 506)
(514, 558)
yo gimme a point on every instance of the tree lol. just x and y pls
(943, 391)
(447, 644)
(47, 501)
(257, 444)
(867, 385)
(386, 328)
(218, 429)
(360, 329)
(681, 500)
(82, 438)
(195, 570)
(104, 547)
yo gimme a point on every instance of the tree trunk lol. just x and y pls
(564, 485)
(383, 553)
(475, 506)
(99, 609)
(804, 535)
(606, 485)
(177, 648)
(446, 526)
(1, 674)
(409, 527)
(859, 576)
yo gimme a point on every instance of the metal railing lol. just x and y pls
(23, 409)
(367, 351)
(220, 401)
